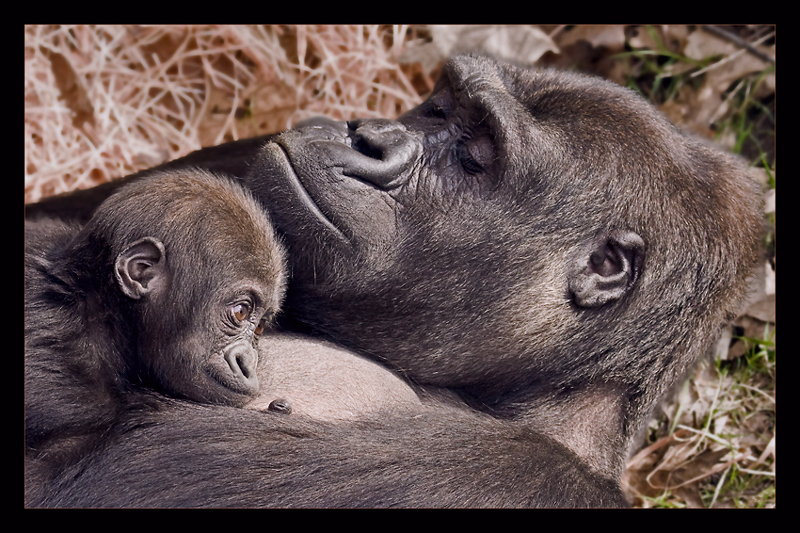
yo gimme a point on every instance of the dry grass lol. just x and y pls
(714, 444)
(105, 101)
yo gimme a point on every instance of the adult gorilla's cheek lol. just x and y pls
(348, 169)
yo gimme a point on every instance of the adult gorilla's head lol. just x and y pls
(519, 230)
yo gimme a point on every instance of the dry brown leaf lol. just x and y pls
(642, 37)
(610, 36)
(763, 310)
(520, 43)
(720, 75)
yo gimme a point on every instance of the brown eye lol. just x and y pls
(262, 324)
(241, 312)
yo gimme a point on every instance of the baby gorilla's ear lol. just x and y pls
(141, 268)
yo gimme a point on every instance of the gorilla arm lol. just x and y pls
(436, 458)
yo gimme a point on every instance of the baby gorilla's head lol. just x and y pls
(196, 257)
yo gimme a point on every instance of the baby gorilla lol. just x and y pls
(166, 288)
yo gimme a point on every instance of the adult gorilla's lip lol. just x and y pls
(302, 194)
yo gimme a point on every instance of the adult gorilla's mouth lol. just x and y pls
(338, 175)
(302, 194)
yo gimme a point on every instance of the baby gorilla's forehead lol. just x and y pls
(246, 243)
(227, 273)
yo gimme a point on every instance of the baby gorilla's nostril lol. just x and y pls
(241, 366)
(242, 361)
(244, 365)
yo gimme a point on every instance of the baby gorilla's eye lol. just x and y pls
(241, 312)
(262, 324)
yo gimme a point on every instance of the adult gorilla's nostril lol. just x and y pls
(391, 152)
(363, 142)
(379, 136)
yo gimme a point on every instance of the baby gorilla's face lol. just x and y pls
(206, 283)
(213, 356)
(233, 365)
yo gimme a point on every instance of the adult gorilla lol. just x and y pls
(542, 246)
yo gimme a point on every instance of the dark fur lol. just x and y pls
(183, 456)
(543, 245)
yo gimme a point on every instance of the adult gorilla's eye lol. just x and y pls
(241, 312)
(466, 160)
(437, 107)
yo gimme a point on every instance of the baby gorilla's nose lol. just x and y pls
(242, 360)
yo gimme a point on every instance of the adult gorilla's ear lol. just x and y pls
(140, 269)
(607, 268)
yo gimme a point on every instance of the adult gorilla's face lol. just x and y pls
(407, 226)
(491, 221)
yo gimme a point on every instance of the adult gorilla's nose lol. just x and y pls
(384, 152)
(377, 151)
